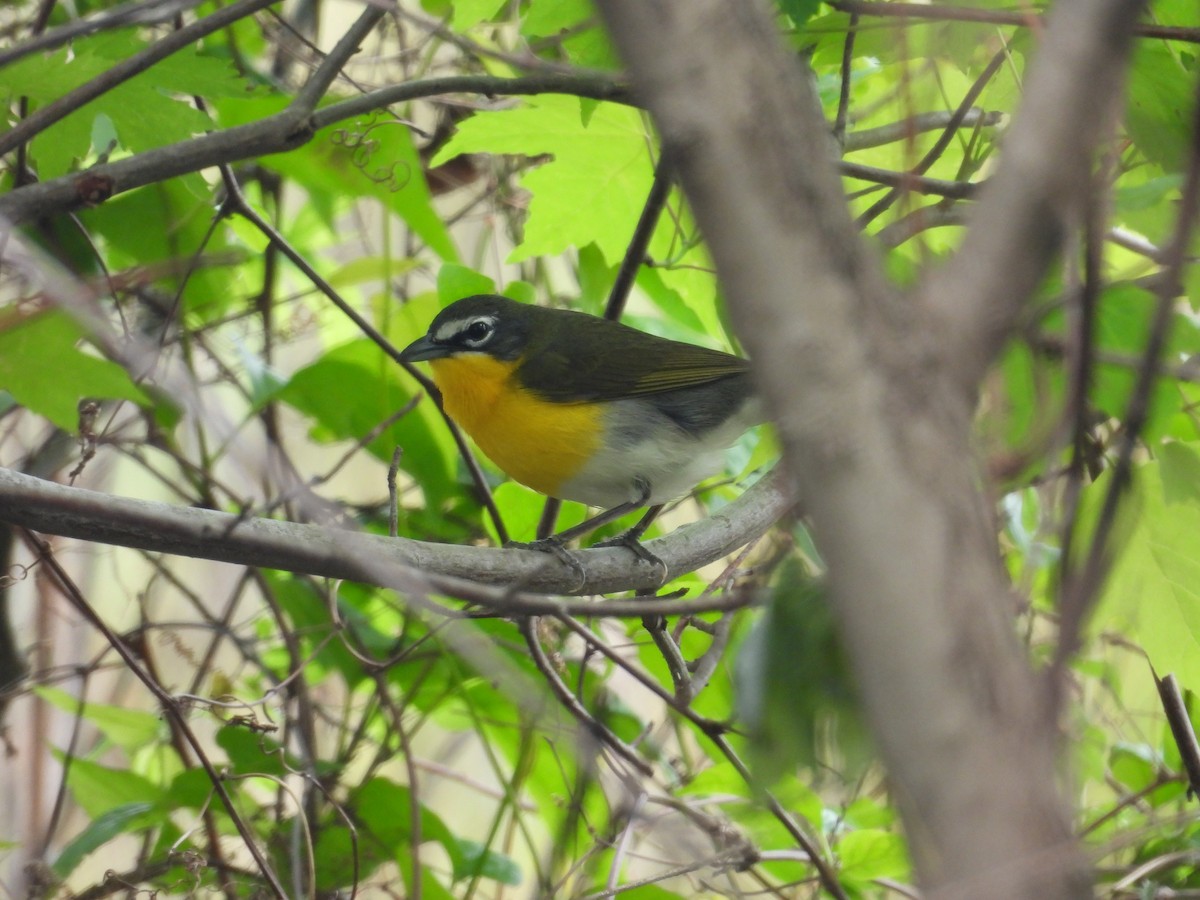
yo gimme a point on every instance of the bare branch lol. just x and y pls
(1022, 18)
(286, 130)
(922, 122)
(414, 565)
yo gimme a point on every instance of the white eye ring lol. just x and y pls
(478, 332)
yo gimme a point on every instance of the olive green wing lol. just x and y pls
(605, 360)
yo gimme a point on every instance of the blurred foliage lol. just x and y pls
(361, 741)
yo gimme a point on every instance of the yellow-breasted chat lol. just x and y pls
(583, 408)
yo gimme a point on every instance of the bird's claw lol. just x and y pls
(637, 548)
(555, 547)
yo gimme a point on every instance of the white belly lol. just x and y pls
(646, 448)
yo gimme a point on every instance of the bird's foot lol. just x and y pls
(554, 546)
(629, 540)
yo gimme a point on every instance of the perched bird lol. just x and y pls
(583, 408)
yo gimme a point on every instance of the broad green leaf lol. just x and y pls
(371, 268)
(1179, 465)
(129, 729)
(100, 831)
(799, 11)
(42, 369)
(477, 860)
(471, 12)
(373, 158)
(341, 857)
(190, 789)
(548, 17)
(594, 188)
(385, 810)
(142, 111)
(1159, 104)
(1134, 765)
(352, 389)
(794, 687)
(869, 812)
(586, 47)
(252, 753)
(870, 853)
(97, 788)
(1152, 596)
(647, 892)
(455, 282)
(431, 887)
(308, 614)
(521, 508)
(165, 224)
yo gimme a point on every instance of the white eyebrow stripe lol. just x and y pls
(457, 326)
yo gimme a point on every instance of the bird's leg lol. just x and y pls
(555, 543)
(631, 539)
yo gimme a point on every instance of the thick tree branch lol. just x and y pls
(412, 566)
(1018, 225)
(879, 440)
(286, 130)
(1027, 19)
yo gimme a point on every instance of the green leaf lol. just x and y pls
(190, 789)
(869, 854)
(142, 112)
(129, 729)
(1134, 765)
(1152, 596)
(371, 268)
(455, 282)
(521, 508)
(471, 12)
(99, 788)
(594, 188)
(476, 860)
(794, 689)
(156, 224)
(100, 831)
(1180, 468)
(799, 11)
(588, 47)
(385, 809)
(548, 17)
(339, 858)
(350, 390)
(1159, 104)
(372, 158)
(41, 367)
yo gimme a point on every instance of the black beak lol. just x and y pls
(423, 348)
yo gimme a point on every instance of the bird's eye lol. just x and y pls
(478, 331)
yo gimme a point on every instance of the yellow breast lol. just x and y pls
(538, 443)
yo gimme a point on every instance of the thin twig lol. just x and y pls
(166, 702)
(939, 147)
(138, 12)
(843, 108)
(920, 184)
(600, 732)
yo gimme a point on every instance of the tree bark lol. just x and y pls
(875, 407)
